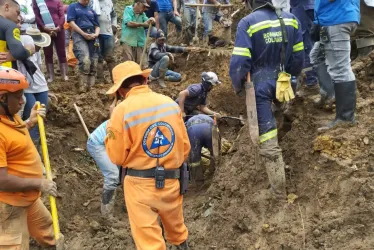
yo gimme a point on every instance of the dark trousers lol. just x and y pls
(59, 43)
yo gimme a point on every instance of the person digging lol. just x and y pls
(22, 212)
(192, 100)
(159, 57)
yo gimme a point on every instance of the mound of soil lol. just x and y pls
(329, 179)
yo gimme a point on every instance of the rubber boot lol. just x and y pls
(100, 71)
(205, 41)
(82, 84)
(111, 66)
(51, 72)
(327, 93)
(161, 78)
(275, 169)
(183, 246)
(197, 174)
(91, 82)
(107, 203)
(64, 71)
(345, 95)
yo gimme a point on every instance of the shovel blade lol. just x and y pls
(216, 141)
(252, 113)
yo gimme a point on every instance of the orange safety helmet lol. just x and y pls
(12, 80)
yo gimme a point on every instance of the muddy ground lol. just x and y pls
(330, 175)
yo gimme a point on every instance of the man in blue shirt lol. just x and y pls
(268, 44)
(304, 11)
(338, 20)
(192, 100)
(85, 25)
(152, 11)
(168, 12)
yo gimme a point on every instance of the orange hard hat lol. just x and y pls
(12, 80)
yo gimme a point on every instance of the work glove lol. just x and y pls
(48, 187)
(284, 90)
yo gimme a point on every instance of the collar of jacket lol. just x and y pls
(138, 90)
(266, 5)
(17, 124)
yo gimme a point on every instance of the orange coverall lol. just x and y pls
(145, 119)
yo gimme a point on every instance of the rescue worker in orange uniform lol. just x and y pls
(22, 212)
(146, 136)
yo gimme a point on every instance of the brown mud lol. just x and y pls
(330, 175)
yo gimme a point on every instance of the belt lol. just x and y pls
(263, 76)
(150, 173)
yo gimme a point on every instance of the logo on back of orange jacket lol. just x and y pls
(158, 140)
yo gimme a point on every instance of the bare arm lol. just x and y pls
(175, 7)
(182, 97)
(206, 110)
(11, 183)
(157, 21)
(75, 28)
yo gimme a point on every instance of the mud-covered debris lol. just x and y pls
(366, 141)
(291, 198)
(208, 212)
(94, 225)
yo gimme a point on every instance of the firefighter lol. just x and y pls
(268, 50)
(149, 139)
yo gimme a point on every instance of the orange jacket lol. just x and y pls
(144, 127)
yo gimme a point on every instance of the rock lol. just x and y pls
(208, 212)
(94, 225)
(366, 141)
(317, 233)
(371, 86)
(257, 245)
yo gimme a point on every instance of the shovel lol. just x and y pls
(216, 144)
(82, 121)
(48, 170)
(145, 45)
(250, 101)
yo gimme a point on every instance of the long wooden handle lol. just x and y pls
(48, 170)
(207, 5)
(81, 119)
(145, 45)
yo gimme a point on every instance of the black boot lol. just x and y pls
(345, 95)
(183, 246)
(327, 93)
(107, 203)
